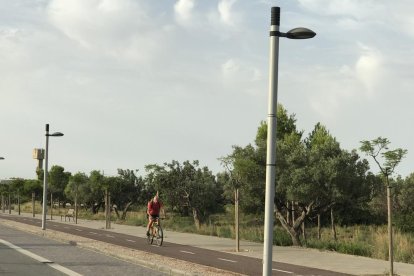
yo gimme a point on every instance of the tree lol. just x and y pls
(76, 187)
(186, 188)
(386, 160)
(313, 173)
(125, 191)
(405, 194)
(95, 190)
(58, 179)
(248, 164)
(33, 186)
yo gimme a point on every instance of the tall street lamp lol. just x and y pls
(297, 33)
(44, 206)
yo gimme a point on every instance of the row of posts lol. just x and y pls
(107, 207)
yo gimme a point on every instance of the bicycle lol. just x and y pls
(156, 233)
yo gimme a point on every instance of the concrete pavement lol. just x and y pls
(292, 255)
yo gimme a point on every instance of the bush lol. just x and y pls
(281, 238)
(405, 222)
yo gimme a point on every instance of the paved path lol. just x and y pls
(212, 258)
(341, 263)
(22, 253)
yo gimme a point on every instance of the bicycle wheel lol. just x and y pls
(159, 237)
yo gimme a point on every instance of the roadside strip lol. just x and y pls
(38, 258)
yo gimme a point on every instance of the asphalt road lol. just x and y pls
(217, 259)
(22, 253)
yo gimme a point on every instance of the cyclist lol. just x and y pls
(153, 211)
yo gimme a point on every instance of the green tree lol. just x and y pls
(33, 186)
(126, 190)
(76, 187)
(187, 188)
(247, 165)
(387, 160)
(95, 190)
(404, 220)
(58, 179)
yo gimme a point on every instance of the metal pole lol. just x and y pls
(271, 143)
(390, 238)
(44, 206)
(3, 208)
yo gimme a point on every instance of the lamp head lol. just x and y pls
(300, 33)
(56, 134)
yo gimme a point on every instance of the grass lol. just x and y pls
(361, 240)
(368, 241)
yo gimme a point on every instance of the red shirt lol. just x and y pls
(154, 208)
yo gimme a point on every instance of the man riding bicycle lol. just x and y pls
(153, 211)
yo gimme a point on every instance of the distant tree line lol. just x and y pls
(316, 180)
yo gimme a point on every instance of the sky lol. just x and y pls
(137, 82)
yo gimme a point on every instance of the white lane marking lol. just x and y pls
(93, 233)
(226, 260)
(109, 236)
(65, 270)
(289, 272)
(38, 258)
(187, 252)
(78, 230)
(131, 241)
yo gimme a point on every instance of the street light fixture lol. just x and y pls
(44, 206)
(297, 33)
(1, 158)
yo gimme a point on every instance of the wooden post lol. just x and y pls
(107, 210)
(51, 206)
(33, 204)
(18, 202)
(288, 213)
(76, 205)
(319, 226)
(9, 204)
(333, 224)
(303, 231)
(390, 237)
(236, 213)
(3, 208)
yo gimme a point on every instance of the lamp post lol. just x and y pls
(297, 33)
(44, 206)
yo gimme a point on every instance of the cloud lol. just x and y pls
(183, 10)
(234, 68)
(368, 68)
(117, 28)
(354, 8)
(225, 11)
